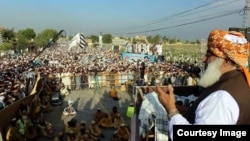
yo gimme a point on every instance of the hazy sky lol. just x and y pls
(185, 19)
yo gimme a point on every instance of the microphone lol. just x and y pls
(63, 35)
(55, 38)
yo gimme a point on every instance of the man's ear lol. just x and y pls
(227, 65)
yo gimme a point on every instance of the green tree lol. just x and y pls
(22, 43)
(150, 39)
(27, 33)
(45, 36)
(197, 41)
(177, 40)
(157, 38)
(165, 39)
(107, 38)
(8, 34)
(94, 38)
(24, 38)
(172, 41)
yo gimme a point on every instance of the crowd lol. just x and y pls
(66, 71)
(78, 70)
(28, 126)
(16, 81)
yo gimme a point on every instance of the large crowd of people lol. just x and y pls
(65, 71)
(78, 70)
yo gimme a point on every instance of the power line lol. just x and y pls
(171, 16)
(185, 13)
(205, 10)
(202, 16)
(187, 23)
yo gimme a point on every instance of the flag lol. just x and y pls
(78, 40)
(72, 44)
(83, 43)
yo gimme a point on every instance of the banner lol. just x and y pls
(135, 57)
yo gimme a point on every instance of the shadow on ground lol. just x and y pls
(86, 102)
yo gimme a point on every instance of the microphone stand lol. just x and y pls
(49, 43)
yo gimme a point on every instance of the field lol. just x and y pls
(194, 50)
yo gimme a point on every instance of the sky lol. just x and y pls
(182, 19)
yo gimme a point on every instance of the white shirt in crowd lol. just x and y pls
(159, 49)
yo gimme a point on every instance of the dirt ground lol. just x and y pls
(86, 102)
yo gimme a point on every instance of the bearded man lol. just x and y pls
(226, 81)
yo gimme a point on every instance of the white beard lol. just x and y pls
(212, 74)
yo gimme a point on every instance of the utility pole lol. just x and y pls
(1, 39)
(246, 14)
(100, 40)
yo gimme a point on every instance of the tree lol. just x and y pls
(24, 38)
(94, 38)
(22, 43)
(165, 39)
(150, 39)
(157, 38)
(8, 34)
(45, 36)
(27, 34)
(172, 41)
(107, 38)
(197, 41)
